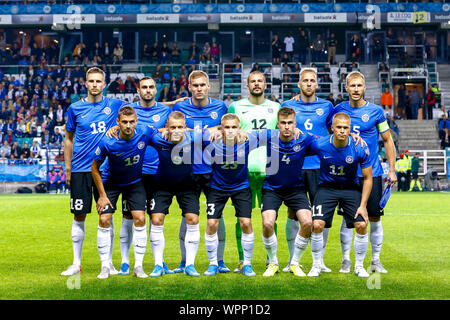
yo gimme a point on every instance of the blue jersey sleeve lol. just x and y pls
(308, 143)
(71, 121)
(365, 158)
(100, 152)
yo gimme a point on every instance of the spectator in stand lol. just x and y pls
(401, 101)
(377, 48)
(183, 82)
(430, 103)
(146, 55)
(355, 48)
(416, 101)
(215, 51)
(192, 60)
(255, 67)
(46, 138)
(331, 99)
(303, 46)
(206, 49)
(5, 149)
(276, 49)
(175, 53)
(157, 74)
(183, 71)
(118, 52)
(444, 130)
(16, 151)
(165, 95)
(25, 151)
(228, 101)
(237, 58)
(174, 87)
(164, 53)
(114, 86)
(107, 53)
(386, 100)
(130, 85)
(166, 75)
(318, 47)
(437, 94)
(154, 53)
(339, 99)
(331, 47)
(194, 50)
(183, 92)
(289, 45)
(35, 150)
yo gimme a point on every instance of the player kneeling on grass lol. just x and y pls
(123, 175)
(283, 183)
(338, 186)
(230, 179)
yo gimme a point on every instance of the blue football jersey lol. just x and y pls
(155, 116)
(125, 157)
(199, 117)
(230, 164)
(284, 159)
(367, 121)
(340, 165)
(175, 160)
(89, 122)
(311, 117)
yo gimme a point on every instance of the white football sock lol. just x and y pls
(300, 246)
(325, 240)
(361, 244)
(316, 247)
(158, 242)
(111, 230)
(104, 245)
(291, 232)
(248, 243)
(182, 236)
(211, 244)
(191, 242)
(221, 233)
(77, 241)
(126, 237)
(346, 236)
(139, 245)
(376, 239)
(271, 244)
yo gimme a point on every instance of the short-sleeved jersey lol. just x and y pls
(256, 117)
(199, 117)
(125, 157)
(311, 117)
(367, 121)
(340, 165)
(175, 160)
(89, 123)
(155, 116)
(284, 159)
(230, 164)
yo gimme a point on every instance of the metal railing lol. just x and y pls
(427, 156)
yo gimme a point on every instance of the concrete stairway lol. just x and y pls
(418, 134)
(373, 87)
(444, 81)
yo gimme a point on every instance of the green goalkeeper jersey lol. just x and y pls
(256, 117)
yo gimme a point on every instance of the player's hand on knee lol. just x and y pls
(362, 211)
(112, 132)
(102, 203)
(358, 139)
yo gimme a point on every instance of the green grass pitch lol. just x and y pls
(35, 247)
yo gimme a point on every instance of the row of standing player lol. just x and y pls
(204, 109)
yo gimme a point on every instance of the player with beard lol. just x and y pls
(255, 113)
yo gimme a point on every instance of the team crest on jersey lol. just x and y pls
(156, 118)
(141, 145)
(270, 110)
(349, 159)
(319, 111)
(297, 148)
(177, 160)
(107, 110)
(365, 117)
(214, 115)
(97, 151)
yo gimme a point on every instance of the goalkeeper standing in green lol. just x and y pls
(255, 113)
